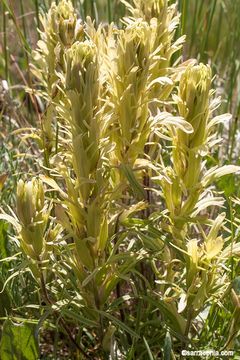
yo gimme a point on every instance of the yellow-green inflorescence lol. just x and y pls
(129, 91)
(33, 216)
(193, 101)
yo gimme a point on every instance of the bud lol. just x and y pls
(81, 58)
(32, 215)
(149, 9)
(30, 200)
(65, 9)
(63, 22)
(134, 48)
(193, 105)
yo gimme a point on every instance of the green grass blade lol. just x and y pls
(150, 355)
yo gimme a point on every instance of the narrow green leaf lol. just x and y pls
(135, 185)
(77, 317)
(119, 323)
(167, 349)
(150, 355)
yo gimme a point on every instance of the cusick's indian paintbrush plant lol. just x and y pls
(123, 230)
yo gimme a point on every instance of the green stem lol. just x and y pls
(184, 16)
(109, 11)
(37, 13)
(5, 42)
(23, 19)
(205, 44)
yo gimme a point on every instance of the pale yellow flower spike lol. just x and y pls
(33, 216)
